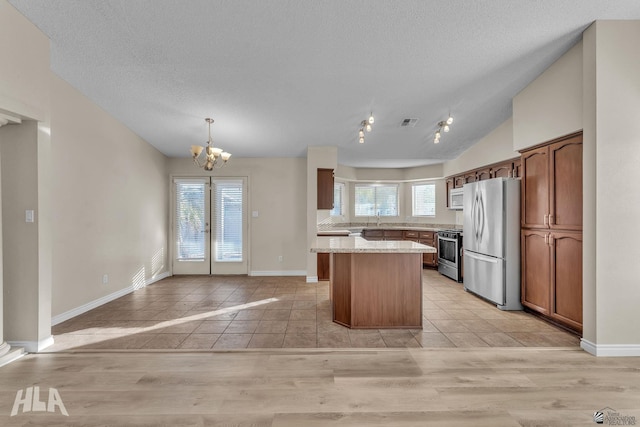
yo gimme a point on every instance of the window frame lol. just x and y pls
(341, 186)
(413, 199)
(376, 208)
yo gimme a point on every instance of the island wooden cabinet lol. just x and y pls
(551, 236)
(552, 275)
(325, 188)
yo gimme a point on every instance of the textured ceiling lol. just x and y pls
(280, 75)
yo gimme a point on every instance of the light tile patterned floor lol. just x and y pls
(233, 312)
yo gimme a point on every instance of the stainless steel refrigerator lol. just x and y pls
(492, 241)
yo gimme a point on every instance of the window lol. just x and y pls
(376, 199)
(228, 220)
(423, 199)
(190, 219)
(338, 193)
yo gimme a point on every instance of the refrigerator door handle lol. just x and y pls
(475, 215)
(481, 214)
(481, 257)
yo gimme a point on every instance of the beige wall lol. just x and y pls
(25, 152)
(589, 198)
(617, 149)
(404, 177)
(26, 253)
(24, 68)
(110, 202)
(606, 104)
(278, 191)
(317, 157)
(493, 148)
(551, 105)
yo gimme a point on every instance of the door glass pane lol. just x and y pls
(190, 221)
(228, 220)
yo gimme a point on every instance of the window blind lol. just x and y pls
(338, 193)
(228, 220)
(376, 199)
(190, 220)
(424, 199)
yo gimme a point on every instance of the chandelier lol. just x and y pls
(214, 157)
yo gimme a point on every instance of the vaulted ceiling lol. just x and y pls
(280, 75)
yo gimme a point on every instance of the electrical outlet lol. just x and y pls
(105, 279)
(280, 258)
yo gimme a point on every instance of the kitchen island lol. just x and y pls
(374, 284)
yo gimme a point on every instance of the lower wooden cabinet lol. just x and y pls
(552, 275)
(323, 266)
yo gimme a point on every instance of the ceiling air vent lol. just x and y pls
(409, 123)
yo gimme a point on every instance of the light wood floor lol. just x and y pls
(231, 312)
(324, 387)
(173, 354)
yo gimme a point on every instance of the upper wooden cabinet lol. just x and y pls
(505, 169)
(483, 174)
(502, 171)
(458, 181)
(325, 188)
(552, 185)
(565, 174)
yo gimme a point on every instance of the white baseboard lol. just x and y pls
(312, 279)
(278, 273)
(103, 300)
(12, 355)
(610, 350)
(33, 346)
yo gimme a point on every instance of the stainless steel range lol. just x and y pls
(449, 253)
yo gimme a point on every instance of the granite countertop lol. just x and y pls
(358, 227)
(354, 244)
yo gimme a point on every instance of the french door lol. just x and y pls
(210, 225)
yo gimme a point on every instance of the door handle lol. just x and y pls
(545, 219)
(550, 219)
(480, 257)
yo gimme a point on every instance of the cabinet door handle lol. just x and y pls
(550, 219)
(546, 239)
(545, 220)
(551, 240)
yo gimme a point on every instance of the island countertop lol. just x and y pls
(355, 244)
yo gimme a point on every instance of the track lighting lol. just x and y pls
(443, 126)
(365, 125)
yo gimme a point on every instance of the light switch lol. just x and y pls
(254, 214)
(28, 217)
